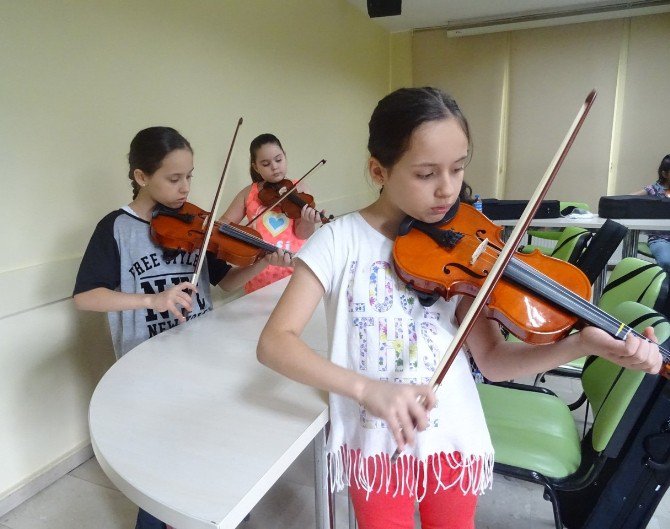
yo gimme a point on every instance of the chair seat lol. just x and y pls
(531, 430)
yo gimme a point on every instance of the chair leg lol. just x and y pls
(586, 418)
(578, 403)
(550, 495)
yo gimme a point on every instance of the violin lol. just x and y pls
(290, 202)
(189, 228)
(184, 229)
(539, 299)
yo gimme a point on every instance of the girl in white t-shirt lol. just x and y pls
(384, 345)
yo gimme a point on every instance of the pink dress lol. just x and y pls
(275, 228)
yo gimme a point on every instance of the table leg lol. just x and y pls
(630, 241)
(323, 498)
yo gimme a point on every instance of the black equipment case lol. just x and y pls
(496, 209)
(634, 207)
(630, 486)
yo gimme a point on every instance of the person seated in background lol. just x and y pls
(659, 241)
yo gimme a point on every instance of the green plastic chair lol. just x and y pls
(570, 243)
(552, 234)
(567, 207)
(533, 431)
(634, 279)
(631, 279)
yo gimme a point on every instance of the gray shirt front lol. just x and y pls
(122, 256)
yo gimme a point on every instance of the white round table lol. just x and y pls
(194, 430)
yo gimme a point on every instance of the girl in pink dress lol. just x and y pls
(268, 165)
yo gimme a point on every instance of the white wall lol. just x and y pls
(521, 90)
(79, 79)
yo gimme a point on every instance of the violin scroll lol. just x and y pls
(290, 202)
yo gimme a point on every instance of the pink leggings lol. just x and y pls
(444, 509)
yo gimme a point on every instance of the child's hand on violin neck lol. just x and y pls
(171, 299)
(403, 407)
(310, 214)
(279, 258)
(632, 353)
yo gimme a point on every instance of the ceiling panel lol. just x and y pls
(499, 14)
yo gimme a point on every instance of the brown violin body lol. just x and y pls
(184, 230)
(431, 267)
(292, 205)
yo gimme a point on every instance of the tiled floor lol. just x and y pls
(85, 498)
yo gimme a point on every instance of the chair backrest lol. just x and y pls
(600, 249)
(635, 280)
(567, 207)
(571, 244)
(617, 395)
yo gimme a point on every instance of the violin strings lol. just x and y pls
(559, 289)
(251, 239)
(247, 236)
(490, 256)
(600, 314)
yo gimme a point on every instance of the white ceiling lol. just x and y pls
(418, 14)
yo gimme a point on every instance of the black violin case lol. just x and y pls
(496, 209)
(630, 486)
(634, 207)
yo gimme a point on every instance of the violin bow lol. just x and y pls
(285, 195)
(209, 221)
(507, 252)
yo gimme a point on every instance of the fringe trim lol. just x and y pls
(411, 474)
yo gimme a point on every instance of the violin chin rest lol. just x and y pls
(425, 299)
(406, 225)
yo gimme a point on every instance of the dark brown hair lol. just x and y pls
(256, 144)
(149, 148)
(664, 171)
(400, 113)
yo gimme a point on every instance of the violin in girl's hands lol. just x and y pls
(539, 299)
(292, 204)
(184, 229)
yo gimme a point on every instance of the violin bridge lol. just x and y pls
(478, 251)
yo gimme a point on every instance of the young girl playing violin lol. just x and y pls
(268, 166)
(125, 273)
(384, 345)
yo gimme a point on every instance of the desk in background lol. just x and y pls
(629, 244)
(194, 430)
(635, 226)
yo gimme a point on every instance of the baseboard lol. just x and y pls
(46, 477)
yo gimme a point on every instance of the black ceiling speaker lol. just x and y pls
(384, 8)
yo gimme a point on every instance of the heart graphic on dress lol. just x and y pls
(275, 222)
